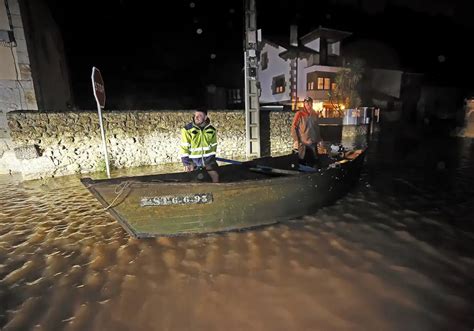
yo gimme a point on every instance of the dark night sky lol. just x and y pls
(143, 47)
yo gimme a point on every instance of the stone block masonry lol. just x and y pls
(70, 142)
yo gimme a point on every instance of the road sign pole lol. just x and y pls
(104, 142)
(99, 94)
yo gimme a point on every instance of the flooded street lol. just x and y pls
(396, 253)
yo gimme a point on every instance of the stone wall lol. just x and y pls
(280, 140)
(70, 142)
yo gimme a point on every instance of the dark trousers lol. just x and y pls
(310, 158)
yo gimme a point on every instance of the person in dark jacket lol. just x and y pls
(306, 134)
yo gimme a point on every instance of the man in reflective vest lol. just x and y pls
(199, 145)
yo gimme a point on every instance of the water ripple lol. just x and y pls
(396, 253)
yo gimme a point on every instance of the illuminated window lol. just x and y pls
(333, 86)
(278, 84)
(311, 80)
(327, 83)
(320, 83)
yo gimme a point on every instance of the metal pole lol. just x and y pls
(248, 148)
(252, 108)
(104, 143)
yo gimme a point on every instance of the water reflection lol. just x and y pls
(396, 253)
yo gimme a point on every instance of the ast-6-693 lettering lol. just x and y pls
(166, 200)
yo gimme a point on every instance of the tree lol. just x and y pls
(345, 94)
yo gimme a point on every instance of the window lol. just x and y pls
(333, 86)
(278, 84)
(320, 83)
(264, 60)
(311, 79)
(327, 83)
(234, 96)
(324, 83)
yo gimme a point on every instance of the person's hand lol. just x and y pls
(294, 151)
(188, 168)
(321, 148)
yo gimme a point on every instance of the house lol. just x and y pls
(33, 70)
(291, 70)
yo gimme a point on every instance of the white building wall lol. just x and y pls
(276, 67)
(314, 45)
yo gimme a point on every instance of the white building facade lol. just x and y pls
(290, 71)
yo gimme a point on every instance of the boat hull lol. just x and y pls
(150, 206)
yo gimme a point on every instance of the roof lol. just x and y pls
(300, 51)
(331, 35)
(291, 51)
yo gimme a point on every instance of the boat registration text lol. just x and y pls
(166, 200)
